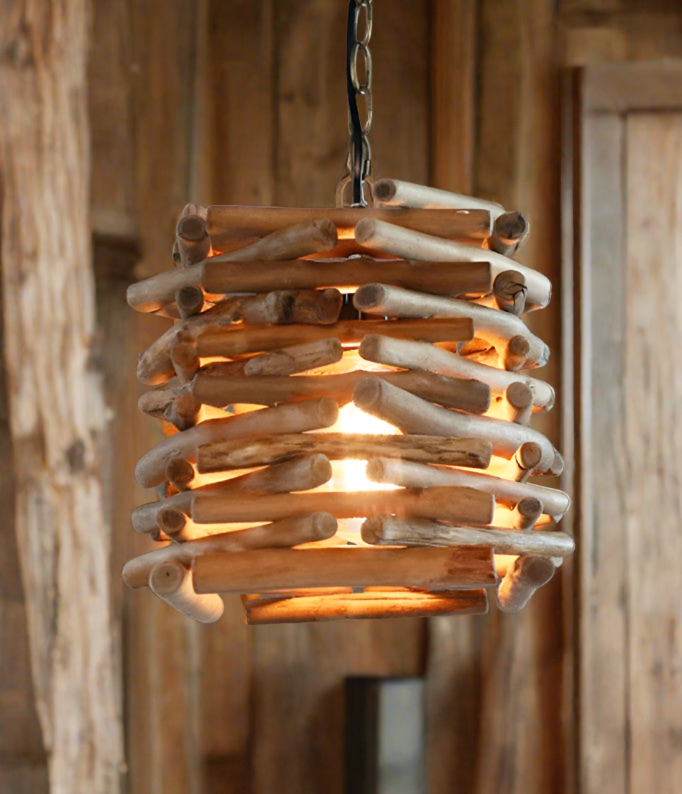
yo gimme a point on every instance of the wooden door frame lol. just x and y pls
(609, 88)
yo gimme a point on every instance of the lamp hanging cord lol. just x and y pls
(359, 150)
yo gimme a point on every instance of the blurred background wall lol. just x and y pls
(243, 101)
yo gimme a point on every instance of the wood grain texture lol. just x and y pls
(58, 418)
(162, 718)
(603, 479)
(652, 446)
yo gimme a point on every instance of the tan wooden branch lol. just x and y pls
(293, 418)
(414, 415)
(492, 325)
(241, 454)
(300, 240)
(441, 278)
(450, 503)
(229, 223)
(411, 474)
(396, 193)
(522, 579)
(392, 604)
(510, 232)
(421, 355)
(387, 238)
(220, 391)
(172, 583)
(385, 531)
(289, 532)
(255, 571)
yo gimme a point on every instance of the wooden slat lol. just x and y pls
(602, 470)
(653, 447)
(162, 672)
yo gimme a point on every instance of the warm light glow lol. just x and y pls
(350, 475)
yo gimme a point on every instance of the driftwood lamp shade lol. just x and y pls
(347, 398)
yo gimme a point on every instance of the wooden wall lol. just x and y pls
(242, 101)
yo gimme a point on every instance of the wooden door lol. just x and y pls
(626, 278)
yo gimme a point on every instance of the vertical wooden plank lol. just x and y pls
(602, 468)
(518, 164)
(299, 670)
(653, 448)
(454, 643)
(454, 34)
(161, 671)
(57, 412)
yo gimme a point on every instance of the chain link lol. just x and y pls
(359, 84)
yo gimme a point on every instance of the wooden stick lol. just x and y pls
(180, 473)
(510, 232)
(494, 326)
(221, 391)
(227, 223)
(420, 355)
(155, 366)
(170, 520)
(450, 503)
(441, 278)
(411, 474)
(289, 532)
(509, 292)
(522, 579)
(172, 583)
(481, 351)
(314, 307)
(297, 474)
(183, 412)
(343, 446)
(194, 243)
(390, 239)
(515, 355)
(396, 193)
(525, 462)
(385, 531)
(525, 516)
(296, 358)
(403, 603)
(413, 415)
(144, 517)
(518, 403)
(190, 301)
(349, 332)
(294, 418)
(303, 239)
(254, 571)
(185, 360)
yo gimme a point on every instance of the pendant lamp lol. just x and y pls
(346, 397)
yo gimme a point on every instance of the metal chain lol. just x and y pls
(358, 63)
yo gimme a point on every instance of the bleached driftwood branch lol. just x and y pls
(389, 531)
(240, 454)
(387, 238)
(293, 418)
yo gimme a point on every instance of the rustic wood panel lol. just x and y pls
(652, 393)
(57, 419)
(602, 469)
(454, 40)
(453, 686)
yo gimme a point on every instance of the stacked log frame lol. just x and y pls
(411, 311)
